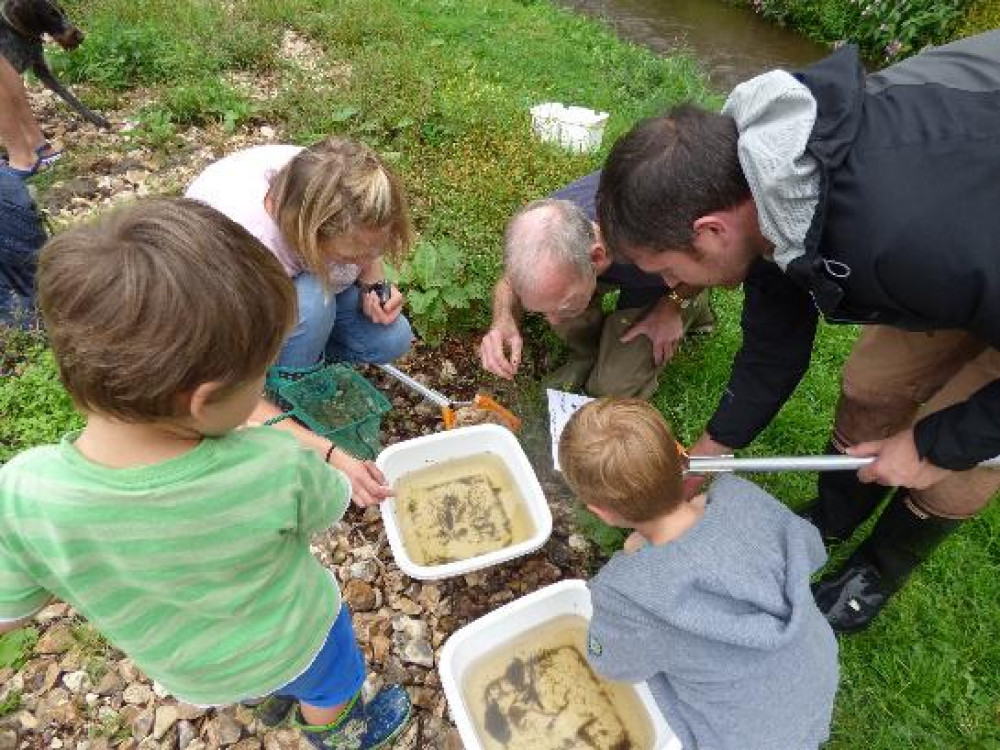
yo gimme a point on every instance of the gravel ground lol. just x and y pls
(77, 692)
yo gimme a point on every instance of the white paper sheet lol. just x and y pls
(562, 405)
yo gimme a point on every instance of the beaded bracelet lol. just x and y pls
(329, 452)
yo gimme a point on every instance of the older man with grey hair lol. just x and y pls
(556, 264)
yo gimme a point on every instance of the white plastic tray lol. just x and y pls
(467, 645)
(575, 128)
(421, 452)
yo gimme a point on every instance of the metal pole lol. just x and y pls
(429, 393)
(723, 464)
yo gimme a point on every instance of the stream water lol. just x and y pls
(731, 43)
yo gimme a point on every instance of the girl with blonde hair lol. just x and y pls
(329, 213)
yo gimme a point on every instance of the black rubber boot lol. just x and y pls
(900, 541)
(844, 503)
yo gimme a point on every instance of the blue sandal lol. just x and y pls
(42, 161)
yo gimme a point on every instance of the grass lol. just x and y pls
(442, 88)
(984, 15)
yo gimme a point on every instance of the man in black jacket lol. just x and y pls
(871, 200)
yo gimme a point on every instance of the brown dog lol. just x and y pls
(22, 24)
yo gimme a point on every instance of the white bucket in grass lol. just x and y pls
(422, 452)
(575, 128)
(467, 646)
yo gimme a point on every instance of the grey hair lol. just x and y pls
(561, 230)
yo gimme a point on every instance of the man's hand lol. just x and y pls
(368, 485)
(663, 327)
(897, 464)
(378, 313)
(705, 446)
(493, 350)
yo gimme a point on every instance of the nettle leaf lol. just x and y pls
(423, 265)
(476, 289)
(16, 646)
(455, 296)
(421, 302)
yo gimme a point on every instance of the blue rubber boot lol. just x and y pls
(363, 726)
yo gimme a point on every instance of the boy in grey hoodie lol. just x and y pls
(710, 601)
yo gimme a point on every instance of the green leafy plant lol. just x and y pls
(205, 102)
(885, 30)
(440, 289)
(16, 646)
(34, 406)
(155, 128)
(10, 703)
(896, 29)
(117, 57)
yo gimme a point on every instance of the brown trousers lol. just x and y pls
(894, 377)
(598, 362)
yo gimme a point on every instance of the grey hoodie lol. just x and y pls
(722, 625)
(775, 115)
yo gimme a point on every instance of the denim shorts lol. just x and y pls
(334, 329)
(338, 671)
(21, 237)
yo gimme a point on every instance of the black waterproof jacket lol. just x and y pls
(906, 233)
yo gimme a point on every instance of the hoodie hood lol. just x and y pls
(775, 114)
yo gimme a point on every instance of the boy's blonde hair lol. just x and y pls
(619, 454)
(153, 300)
(332, 188)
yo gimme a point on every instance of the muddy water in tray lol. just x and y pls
(539, 692)
(459, 509)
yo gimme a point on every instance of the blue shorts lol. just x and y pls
(338, 671)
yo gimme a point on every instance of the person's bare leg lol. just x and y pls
(320, 717)
(18, 129)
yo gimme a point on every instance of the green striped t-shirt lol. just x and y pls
(198, 568)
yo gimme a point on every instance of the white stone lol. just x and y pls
(418, 652)
(363, 570)
(75, 681)
(27, 720)
(186, 734)
(412, 628)
(137, 694)
(166, 717)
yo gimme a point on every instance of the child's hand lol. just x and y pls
(368, 485)
(635, 541)
(385, 314)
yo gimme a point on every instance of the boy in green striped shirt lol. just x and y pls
(184, 540)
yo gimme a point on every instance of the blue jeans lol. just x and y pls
(336, 329)
(21, 237)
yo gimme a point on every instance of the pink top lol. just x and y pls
(237, 184)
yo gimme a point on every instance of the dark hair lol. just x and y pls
(664, 174)
(157, 298)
